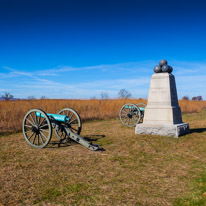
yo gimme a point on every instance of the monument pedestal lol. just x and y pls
(162, 115)
(174, 130)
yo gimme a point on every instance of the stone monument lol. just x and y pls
(162, 114)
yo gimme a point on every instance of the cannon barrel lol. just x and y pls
(57, 117)
(132, 107)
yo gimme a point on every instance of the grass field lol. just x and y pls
(133, 169)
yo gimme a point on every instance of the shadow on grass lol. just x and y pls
(70, 142)
(55, 144)
(93, 137)
(198, 130)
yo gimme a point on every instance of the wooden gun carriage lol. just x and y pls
(132, 114)
(67, 125)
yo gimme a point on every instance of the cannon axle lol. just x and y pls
(35, 129)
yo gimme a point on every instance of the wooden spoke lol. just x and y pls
(74, 129)
(133, 120)
(28, 126)
(72, 120)
(37, 139)
(34, 139)
(43, 135)
(72, 116)
(43, 126)
(41, 122)
(44, 130)
(32, 118)
(28, 131)
(124, 112)
(30, 122)
(36, 118)
(31, 136)
(41, 138)
(39, 119)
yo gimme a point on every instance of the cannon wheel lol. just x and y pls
(37, 130)
(142, 112)
(130, 115)
(74, 123)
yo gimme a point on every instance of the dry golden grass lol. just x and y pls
(12, 112)
(133, 169)
(192, 106)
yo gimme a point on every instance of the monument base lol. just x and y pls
(174, 130)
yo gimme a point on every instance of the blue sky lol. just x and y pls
(79, 48)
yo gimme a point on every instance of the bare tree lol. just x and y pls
(104, 95)
(124, 94)
(31, 97)
(197, 98)
(92, 98)
(43, 97)
(185, 98)
(7, 96)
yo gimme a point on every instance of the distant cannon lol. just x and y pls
(37, 128)
(132, 114)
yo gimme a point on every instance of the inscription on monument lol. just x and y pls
(158, 90)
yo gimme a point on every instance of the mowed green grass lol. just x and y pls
(133, 169)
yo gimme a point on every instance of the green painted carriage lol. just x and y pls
(132, 114)
(38, 126)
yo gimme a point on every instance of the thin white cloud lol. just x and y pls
(131, 67)
(190, 79)
(81, 90)
(189, 68)
(17, 73)
(3, 90)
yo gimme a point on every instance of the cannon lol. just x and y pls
(38, 126)
(132, 114)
